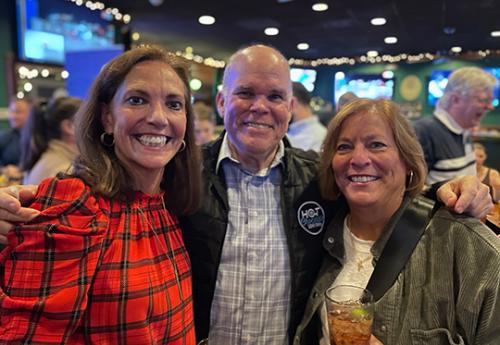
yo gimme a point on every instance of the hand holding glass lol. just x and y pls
(350, 315)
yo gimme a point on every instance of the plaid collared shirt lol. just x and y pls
(251, 303)
(91, 270)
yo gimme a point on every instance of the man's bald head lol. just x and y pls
(256, 56)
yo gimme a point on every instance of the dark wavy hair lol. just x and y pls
(98, 164)
(43, 125)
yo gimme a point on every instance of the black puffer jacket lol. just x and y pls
(204, 232)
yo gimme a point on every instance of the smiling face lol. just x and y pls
(147, 117)
(367, 165)
(256, 103)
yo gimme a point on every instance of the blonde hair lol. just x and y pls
(406, 141)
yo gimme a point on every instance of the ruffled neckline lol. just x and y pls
(141, 197)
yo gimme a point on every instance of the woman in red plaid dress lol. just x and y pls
(104, 262)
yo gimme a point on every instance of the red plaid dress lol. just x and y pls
(92, 270)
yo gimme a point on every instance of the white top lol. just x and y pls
(307, 134)
(357, 270)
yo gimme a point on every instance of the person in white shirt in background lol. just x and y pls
(306, 131)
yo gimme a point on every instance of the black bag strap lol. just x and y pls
(399, 247)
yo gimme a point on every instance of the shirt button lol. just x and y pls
(383, 328)
(330, 240)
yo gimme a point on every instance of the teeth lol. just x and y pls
(153, 140)
(257, 125)
(362, 178)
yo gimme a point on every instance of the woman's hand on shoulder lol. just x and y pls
(11, 200)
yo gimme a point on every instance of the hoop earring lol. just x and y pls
(183, 146)
(107, 139)
(411, 179)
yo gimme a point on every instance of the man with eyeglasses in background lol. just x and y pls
(445, 137)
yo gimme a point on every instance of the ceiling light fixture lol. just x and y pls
(156, 2)
(372, 53)
(302, 46)
(449, 30)
(271, 31)
(456, 49)
(320, 7)
(495, 33)
(206, 20)
(390, 40)
(378, 21)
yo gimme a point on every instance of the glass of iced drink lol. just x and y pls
(350, 315)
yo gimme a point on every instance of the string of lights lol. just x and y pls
(208, 61)
(408, 58)
(107, 13)
(369, 58)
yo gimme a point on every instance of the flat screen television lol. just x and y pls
(305, 76)
(47, 29)
(373, 86)
(439, 79)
